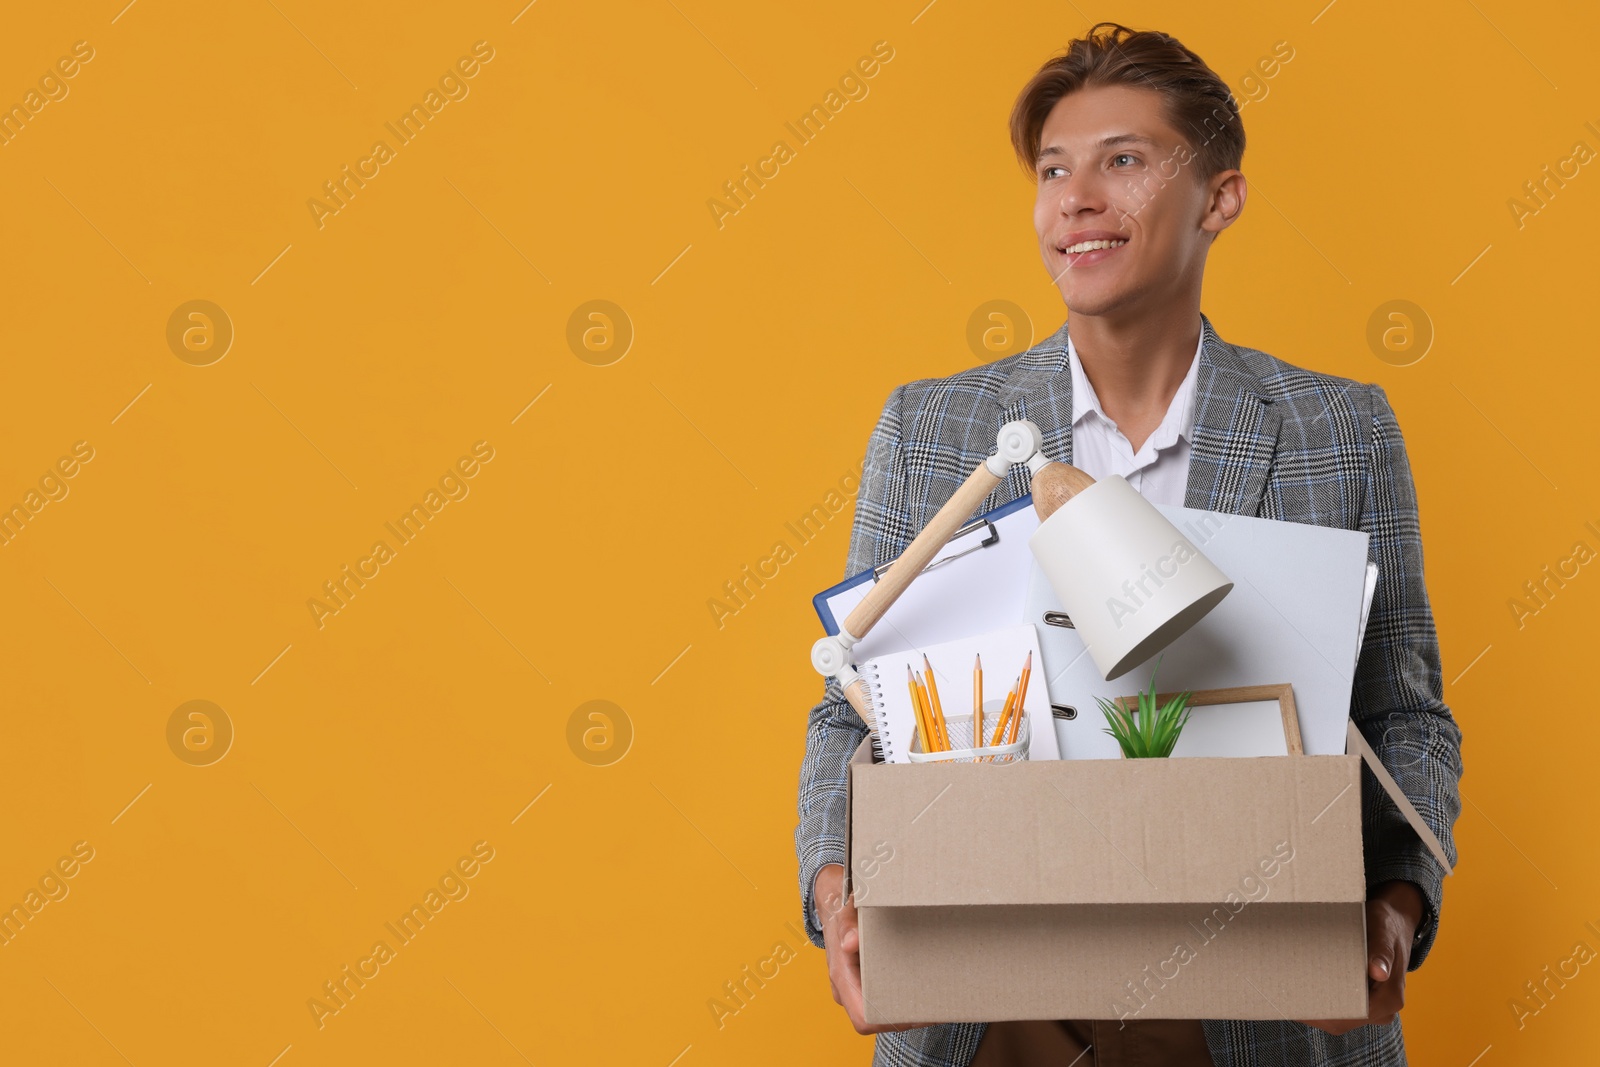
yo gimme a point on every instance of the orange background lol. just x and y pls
(432, 711)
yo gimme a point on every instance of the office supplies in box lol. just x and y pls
(1002, 650)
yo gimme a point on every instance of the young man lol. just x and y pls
(1135, 146)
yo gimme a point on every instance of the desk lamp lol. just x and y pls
(1130, 581)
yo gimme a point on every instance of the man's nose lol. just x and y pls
(1081, 192)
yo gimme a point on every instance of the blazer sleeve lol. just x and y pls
(833, 729)
(1397, 697)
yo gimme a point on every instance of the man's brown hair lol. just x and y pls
(1197, 103)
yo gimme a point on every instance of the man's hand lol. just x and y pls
(843, 940)
(1393, 912)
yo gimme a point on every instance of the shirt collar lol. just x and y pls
(1179, 419)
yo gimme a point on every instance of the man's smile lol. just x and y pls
(1087, 247)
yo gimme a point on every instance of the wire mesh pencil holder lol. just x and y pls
(961, 747)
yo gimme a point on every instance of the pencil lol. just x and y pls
(1022, 695)
(1005, 717)
(1016, 714)
(935, 723)
(933, 720)
(916, 708)
(1000, 721)
(1016, 723)
(1027, 669)
(977, 701)
(939, 742)
(927, 709)
(938, 708)
(931, 743)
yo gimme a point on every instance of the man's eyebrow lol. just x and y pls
(1107, 142)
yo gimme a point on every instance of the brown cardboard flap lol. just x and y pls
(1191, 830)
(1358, 743)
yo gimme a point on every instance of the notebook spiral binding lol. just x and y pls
(882, 744)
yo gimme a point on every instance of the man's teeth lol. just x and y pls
(1090, 246)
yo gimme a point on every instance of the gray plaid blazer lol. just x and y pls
(1270, 440)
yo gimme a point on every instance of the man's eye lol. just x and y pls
(1123, 155)
(1050, 171)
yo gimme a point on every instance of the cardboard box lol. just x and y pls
(1189, 888)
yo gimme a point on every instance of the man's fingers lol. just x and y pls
(850, 940)
(1387, 1000)
(853, 1006)
(1385, 984)
(1380, 943)
(1379, 966)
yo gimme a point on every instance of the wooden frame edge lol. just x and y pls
(1282, 692)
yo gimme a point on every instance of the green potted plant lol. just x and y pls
(1149, 731)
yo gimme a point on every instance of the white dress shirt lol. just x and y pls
(1159, 471)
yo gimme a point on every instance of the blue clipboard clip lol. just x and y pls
(830, 625)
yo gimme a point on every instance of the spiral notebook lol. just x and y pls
(1004, 651)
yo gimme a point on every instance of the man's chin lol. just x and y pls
(1091, 304)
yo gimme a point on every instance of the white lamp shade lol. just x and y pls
(1129, 580)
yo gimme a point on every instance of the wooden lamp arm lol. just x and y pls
(922, 549)
(1017, 442)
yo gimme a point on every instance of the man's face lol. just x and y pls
(1143, 188)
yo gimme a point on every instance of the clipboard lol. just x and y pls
(977, 583)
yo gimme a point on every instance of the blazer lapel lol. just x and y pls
(1235, 423)
(1039, 388)
(1235, 431)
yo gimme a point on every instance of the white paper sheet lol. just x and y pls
(1292, 616)
(979, 591)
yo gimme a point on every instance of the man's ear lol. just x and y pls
(1225, 201)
